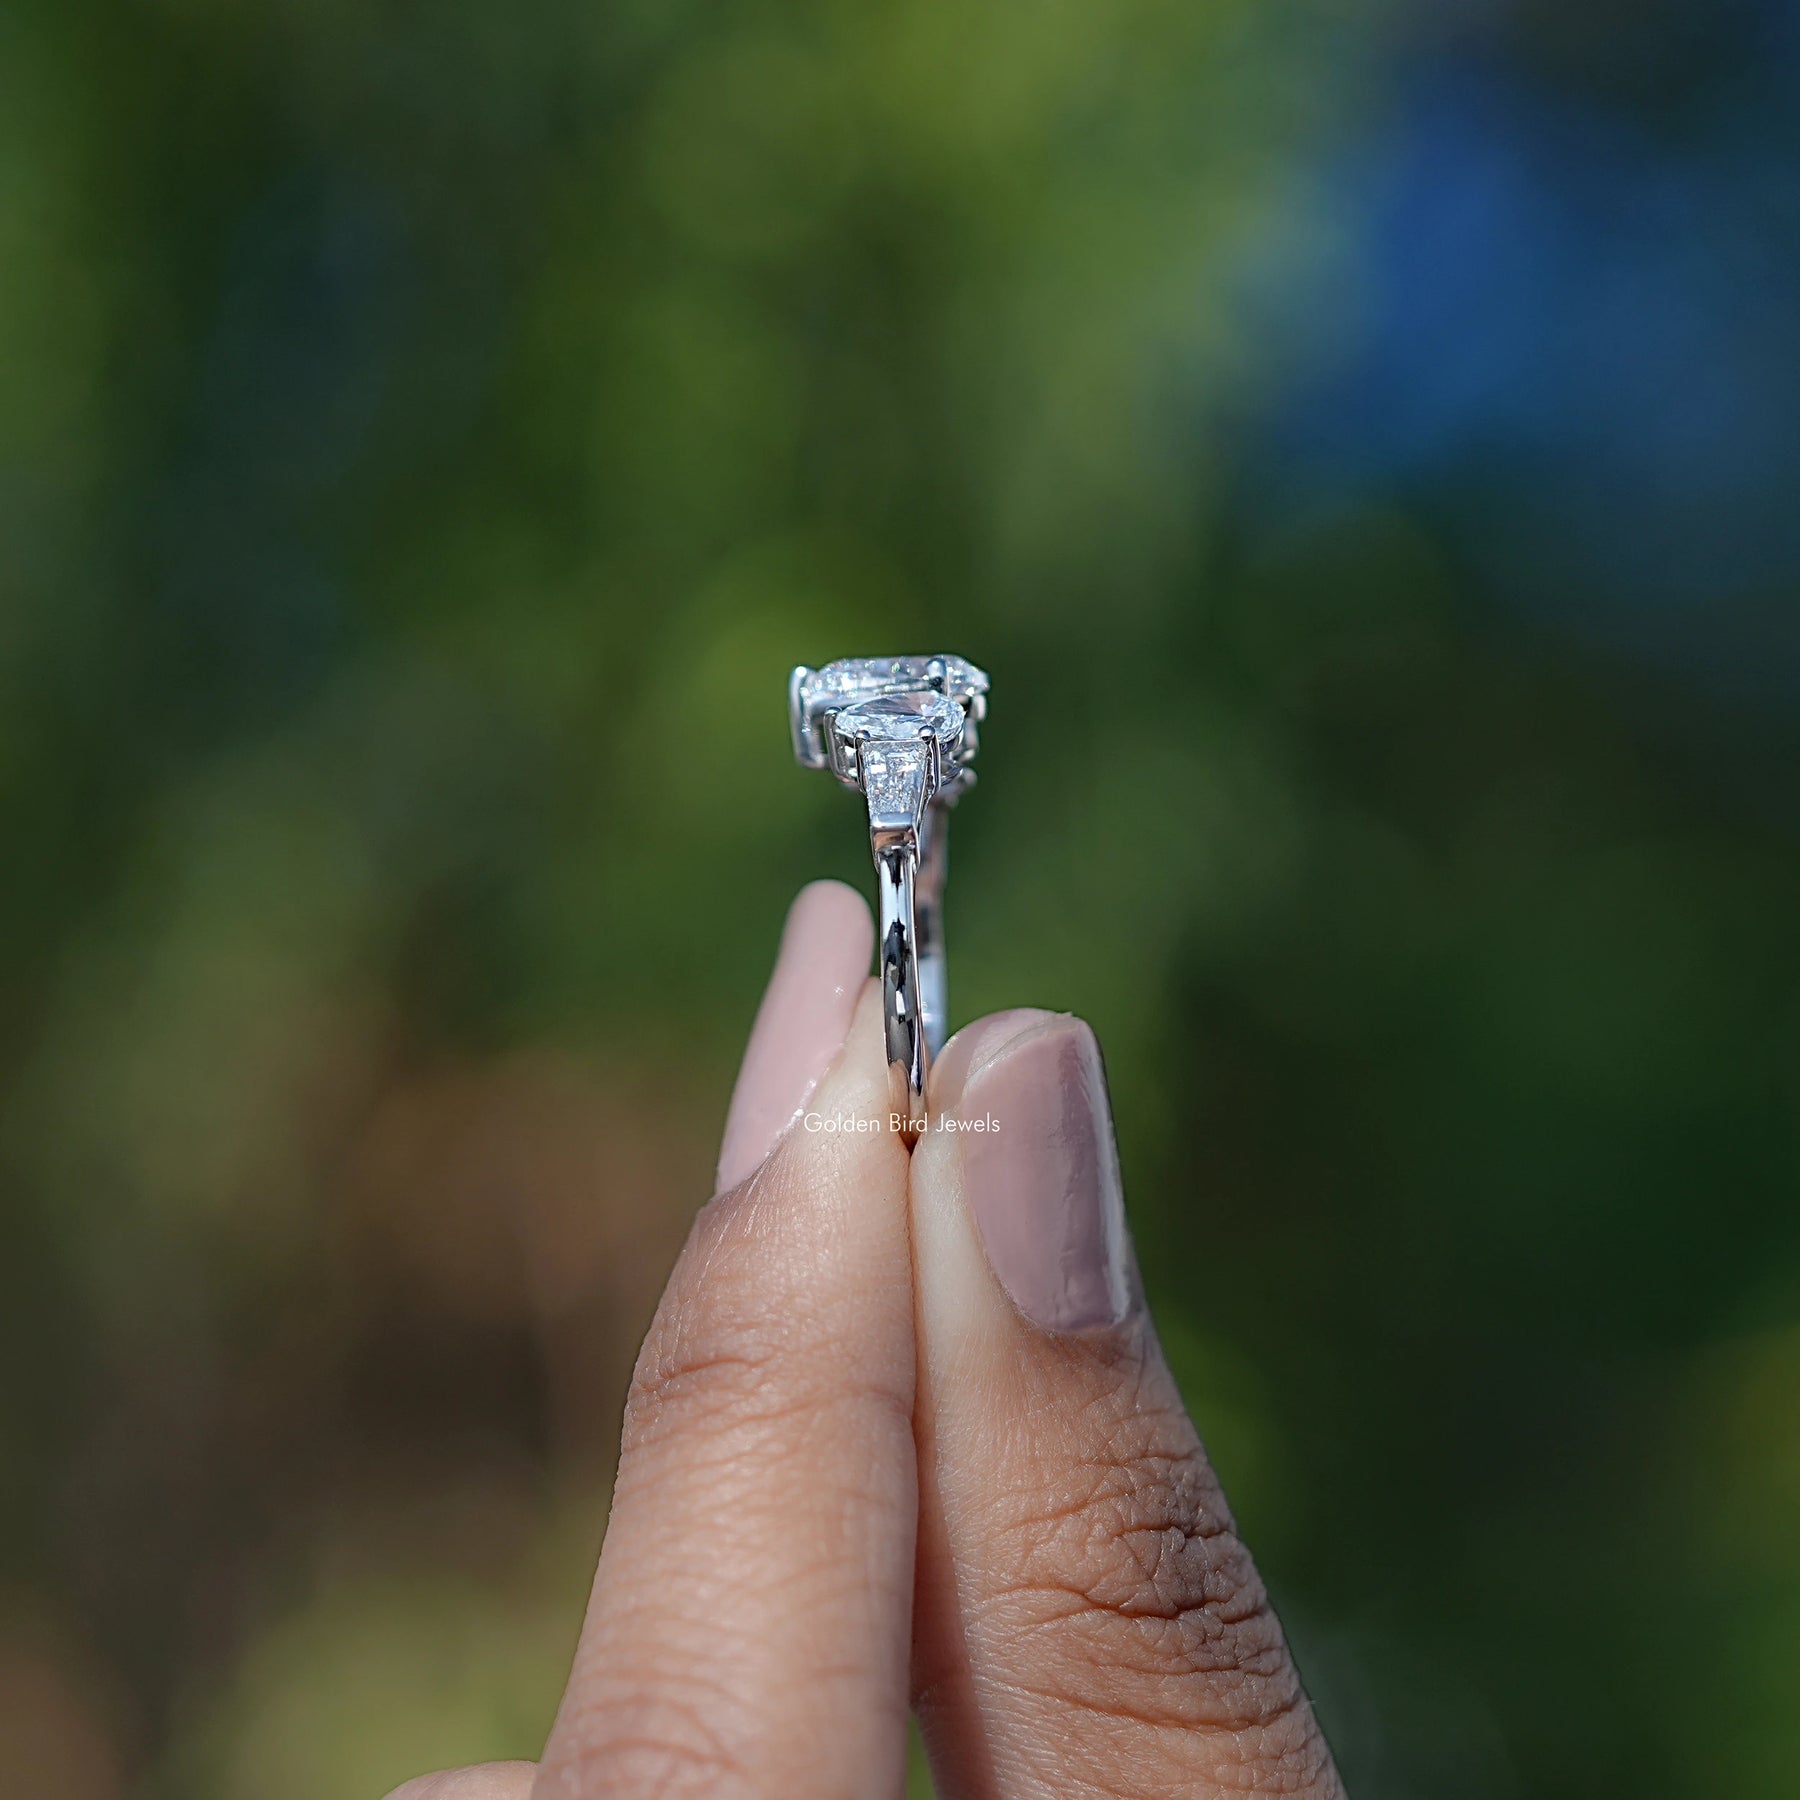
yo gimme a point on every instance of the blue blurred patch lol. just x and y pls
(1573, 341)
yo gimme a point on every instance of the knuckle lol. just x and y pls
(704, 1373)
(660, 1744)
(688, 1364)
(726, 1361)
(1131, 1565)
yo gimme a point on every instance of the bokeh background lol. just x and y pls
(1361, 440)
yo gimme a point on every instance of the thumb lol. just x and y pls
(1088, 1620)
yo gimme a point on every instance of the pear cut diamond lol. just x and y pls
(903, 716)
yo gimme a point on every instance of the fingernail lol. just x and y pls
(1041, 1171)
(802, 1023)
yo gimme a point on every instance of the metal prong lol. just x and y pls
(807, 749)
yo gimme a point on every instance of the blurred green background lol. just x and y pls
(1360, 441)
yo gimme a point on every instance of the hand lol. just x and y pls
(901, 1435)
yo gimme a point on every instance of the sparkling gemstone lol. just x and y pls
(898, 716)
(846, 682)
(886, 699)
(896, 778)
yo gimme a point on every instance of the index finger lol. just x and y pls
(748, 1630)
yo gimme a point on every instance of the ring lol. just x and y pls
(901, 730)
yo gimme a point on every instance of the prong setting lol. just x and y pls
(816, 695)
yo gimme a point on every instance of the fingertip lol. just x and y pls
(848, 1111)
(820, 968)
(978, 1043)
(833, 911)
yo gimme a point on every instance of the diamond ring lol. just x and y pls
(901, 731)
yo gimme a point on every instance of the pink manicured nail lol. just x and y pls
(802, 1023)
(1041, 1171)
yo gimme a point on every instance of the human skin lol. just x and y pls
(901, 1439)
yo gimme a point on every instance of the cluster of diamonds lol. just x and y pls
(853, 717)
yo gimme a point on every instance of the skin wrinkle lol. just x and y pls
(1232, 1686)
(740, 1396)
(1120, 1473)
(681, 1652)
(1281, 1754)
(701, 1705)
(840, 1566)
(1139, 1548)
(668, 1765)
(1144, 1543)
(721, 1345)
(648, 1689)
(716, 1387)
(825, 1576)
